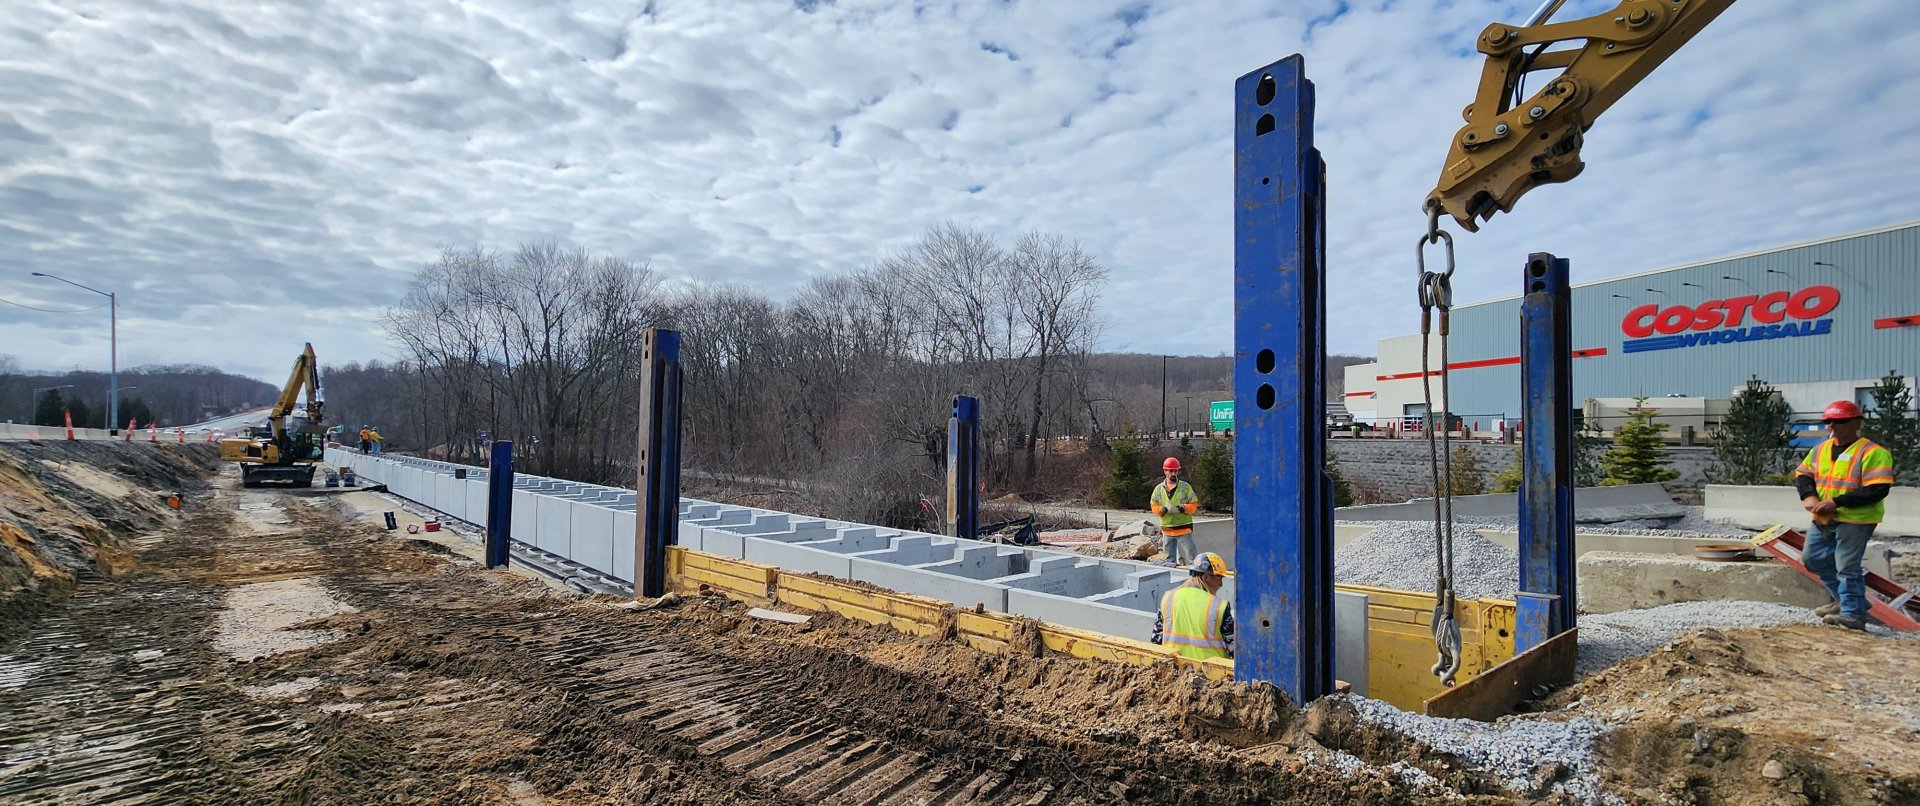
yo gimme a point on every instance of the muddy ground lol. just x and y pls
(269, 646)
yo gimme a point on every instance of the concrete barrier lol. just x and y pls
(1762, 507)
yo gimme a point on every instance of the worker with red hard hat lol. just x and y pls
(1175, 503)
(1843, 482)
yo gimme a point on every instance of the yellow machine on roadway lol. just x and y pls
(287, 449)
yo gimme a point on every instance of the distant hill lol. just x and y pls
(171, 394)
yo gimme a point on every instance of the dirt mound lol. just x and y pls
(66, 509)
(1774, 715)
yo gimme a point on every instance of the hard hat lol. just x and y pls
(1841, 410)
(1170, 464)
(1208, 563)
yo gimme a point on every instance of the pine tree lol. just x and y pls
(1638, 455)
(1508, 480)
(1751, 444)
(1213, 476)
(51, 410)
(1126, 485)
(1342, 490)
(1466, 478)
(83, 414)
(1892, 424)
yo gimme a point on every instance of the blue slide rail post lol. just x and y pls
(499, 504)
(1283, 503)
(659, 478)
(1546, 600)
(963, 468)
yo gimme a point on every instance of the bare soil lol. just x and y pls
(421, 677)
(266, 646)
(1777, 715)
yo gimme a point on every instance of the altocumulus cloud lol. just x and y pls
(250, 176)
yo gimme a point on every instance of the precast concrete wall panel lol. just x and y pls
(771, 550)
(626, 523)
(1350, 639)
(477, 504)
(450, 495)
(552, 517)
(1081, 613)
(591, 537)
(923, 581)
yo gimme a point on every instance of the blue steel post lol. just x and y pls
(1546, 601)
(499, 504)
(659, 481)
(1283, 604)
(963, 468)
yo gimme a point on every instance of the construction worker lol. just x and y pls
(373, 436)
(1175, 503)
(1843, 482)
(366, 441)
(1194, 619)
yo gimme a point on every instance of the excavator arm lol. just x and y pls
(1511, 145)
(305, 375)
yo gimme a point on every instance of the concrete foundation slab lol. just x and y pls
(1614, 581)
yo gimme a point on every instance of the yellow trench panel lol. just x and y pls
(1399, 632)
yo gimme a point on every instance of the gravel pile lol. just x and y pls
(1523, 753)
(1693, 524)
(1608, 638)
(1400, 554)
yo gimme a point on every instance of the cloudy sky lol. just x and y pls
(249, 176)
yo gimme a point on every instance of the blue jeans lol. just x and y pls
(1180, 549)
(1833, 554)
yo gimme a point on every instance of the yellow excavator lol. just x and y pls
(287, 449)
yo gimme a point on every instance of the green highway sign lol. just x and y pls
(1221, 413)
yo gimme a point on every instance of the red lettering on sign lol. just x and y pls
(1811, 302)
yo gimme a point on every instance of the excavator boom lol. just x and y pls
(1510, 144)
(286, 455)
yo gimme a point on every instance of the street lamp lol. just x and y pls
(34, 403)
(113, 346)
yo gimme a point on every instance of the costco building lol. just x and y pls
(1821, 321)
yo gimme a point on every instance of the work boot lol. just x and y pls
(1849, 622)
(1827, 609)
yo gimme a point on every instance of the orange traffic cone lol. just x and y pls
(182, 433)
(129, 433)
(153, 432)
(69, 426)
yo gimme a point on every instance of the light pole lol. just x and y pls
(33, 406)
(113, 347)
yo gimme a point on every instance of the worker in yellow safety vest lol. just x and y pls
(1843, 482)
(1175, 503)
(1194, 619)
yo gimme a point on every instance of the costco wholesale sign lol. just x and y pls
(1776, 315)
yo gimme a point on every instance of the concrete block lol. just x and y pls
(590, 537)
(718, 540)
(1759, 507)
(802, 557)
(1081, 614)
(1141, 590)
(1613, 581)
(625, 541)
(913, 550)
(856, 540)
(1067, 576)
(983, 562)
(552, 523)
(921, 581)
(767, 524)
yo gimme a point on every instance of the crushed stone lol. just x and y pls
(1609, 638)
(1514, 749)
(1401, 555)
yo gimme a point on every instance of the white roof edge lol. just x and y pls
(1737, 256)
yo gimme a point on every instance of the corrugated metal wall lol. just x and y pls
(1877, 274)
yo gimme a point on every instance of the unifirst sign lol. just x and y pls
(1775, 315)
